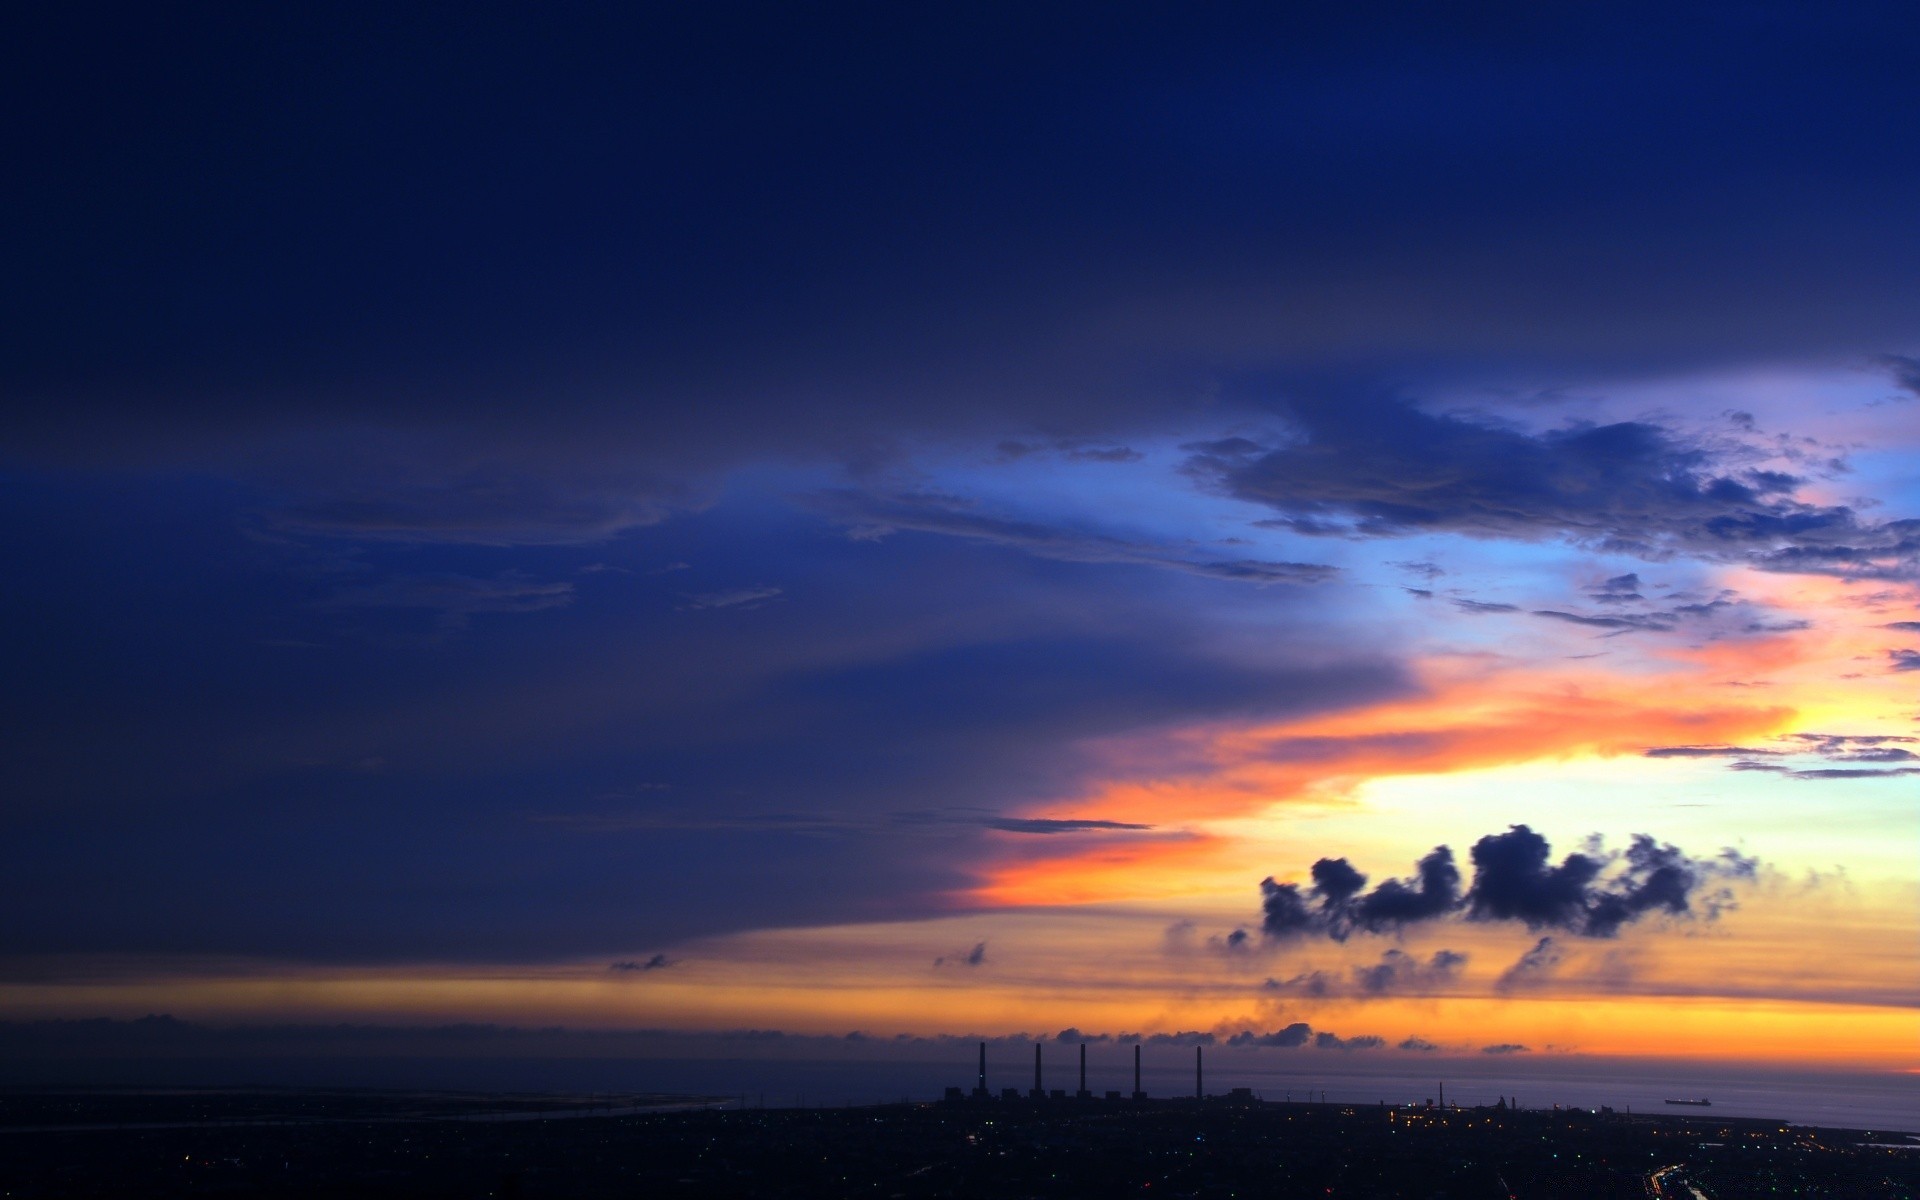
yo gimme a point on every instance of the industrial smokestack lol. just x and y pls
(1137, 1093)
(1083, 1068)
(983, 1068)
(1037, 1093)
(1199, 1091)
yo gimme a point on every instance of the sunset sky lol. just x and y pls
(972, 520)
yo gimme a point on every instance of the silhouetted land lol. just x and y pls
(393, 1144)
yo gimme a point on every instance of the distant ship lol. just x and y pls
(1703, 1102)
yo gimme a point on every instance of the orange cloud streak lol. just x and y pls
(1466, 720)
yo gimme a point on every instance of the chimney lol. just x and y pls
(1199, 1091)
(1083, 1071)
(1037, 1093)
(980, 1089)
(1137, 1093)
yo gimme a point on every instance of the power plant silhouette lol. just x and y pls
(1039, 1093)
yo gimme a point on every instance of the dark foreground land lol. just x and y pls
(348, 1144)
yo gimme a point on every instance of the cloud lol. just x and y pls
(1624, 624)
(1478, 606)
(1532, 968)
(1397, 972)
(1045, 825)
(1875, 748)
(1297, 1034)
(1506, 1048)
(1333, 1041)
(873, 517)
(455, 597)
(500, 506)
(658, 962)
(1307, 983)
(1377, 467)
(1185, 1037)
(1418, 1044)
(1905, 660)
(1903, 626)
(1342, 907)
(1513, 880)
(1621, 589)
(1905, 371)
(1590, 894)
(971, 958)
(733, 598)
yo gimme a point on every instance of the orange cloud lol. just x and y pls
(1467, 719)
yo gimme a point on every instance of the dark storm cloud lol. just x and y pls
(302, 301)
(1379, 466)
(574, 781)
(820, 232)
(1593, 894)
(872, 517)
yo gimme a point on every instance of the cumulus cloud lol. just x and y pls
(1590, 894)
(1506, 1048)
(1419, 1045)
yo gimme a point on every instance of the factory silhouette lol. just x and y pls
(1039, 1090)
(1039, 1093)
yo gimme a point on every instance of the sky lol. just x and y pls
(1391, 523)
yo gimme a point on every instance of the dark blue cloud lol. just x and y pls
(1593, 894)
(584, 765)
(1372, 464)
